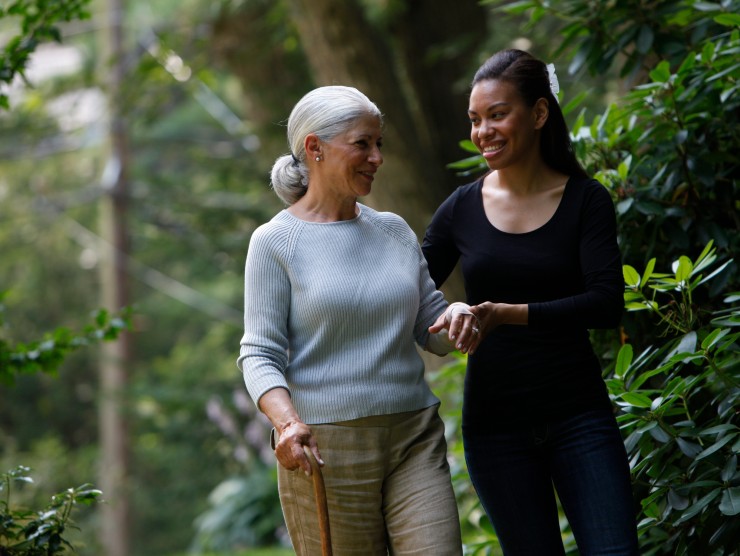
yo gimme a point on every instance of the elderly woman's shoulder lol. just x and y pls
(274, 230)
(391, 222)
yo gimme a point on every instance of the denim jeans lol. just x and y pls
(583, 457)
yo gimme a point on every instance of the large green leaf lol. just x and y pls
(636, 399)
(730, 504)
(698, 506)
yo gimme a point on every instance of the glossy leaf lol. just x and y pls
(631, 276)
(636, 399)
(730, 504)
(716, 446)
(698, 506)
(624, 358)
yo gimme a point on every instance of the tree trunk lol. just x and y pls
(115, 355)
(250, 43)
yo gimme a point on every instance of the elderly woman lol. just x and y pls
(336, 297)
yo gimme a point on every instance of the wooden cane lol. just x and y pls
(321, 506)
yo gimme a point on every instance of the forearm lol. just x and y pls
(294, 436)
(278, 407)
(492, 315)
(512, 314)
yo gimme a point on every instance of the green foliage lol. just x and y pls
(38, 23)
(669, 152)
(244, 509)
(47, 354)
(632, 33)
(38, 533)
(244, 512)
(679, 404)
(679, 314)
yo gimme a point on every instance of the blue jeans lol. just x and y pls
(583, 457)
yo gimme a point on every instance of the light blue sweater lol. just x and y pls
(332, 312)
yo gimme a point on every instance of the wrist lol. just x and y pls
(512, 314)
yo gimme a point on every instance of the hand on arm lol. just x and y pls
(293, 434)
(463, 328)
(492, 315)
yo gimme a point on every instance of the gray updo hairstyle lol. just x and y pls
(325, 112)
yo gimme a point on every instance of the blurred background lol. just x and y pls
(134, 160)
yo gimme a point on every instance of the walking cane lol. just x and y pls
(321, 506)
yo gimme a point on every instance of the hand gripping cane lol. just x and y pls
(321, 506)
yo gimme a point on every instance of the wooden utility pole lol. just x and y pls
(116, 355)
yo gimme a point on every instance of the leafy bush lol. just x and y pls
(679, 412)
(668, 152)
(38, 533)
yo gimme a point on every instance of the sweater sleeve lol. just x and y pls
(600, 304)
(263, 353)
(431, 302)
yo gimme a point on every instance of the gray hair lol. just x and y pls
(326, 112)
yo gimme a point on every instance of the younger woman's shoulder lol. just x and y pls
(468, 190)
(462, 196)
(588, 186)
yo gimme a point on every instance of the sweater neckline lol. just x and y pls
(360, 213)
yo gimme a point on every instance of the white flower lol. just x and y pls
(554, 85)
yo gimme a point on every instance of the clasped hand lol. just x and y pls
(463, 328)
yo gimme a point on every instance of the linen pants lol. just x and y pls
(388, 489)
(583, 458)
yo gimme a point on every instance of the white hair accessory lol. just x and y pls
(554, 85)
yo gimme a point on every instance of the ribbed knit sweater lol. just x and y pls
(332, 312)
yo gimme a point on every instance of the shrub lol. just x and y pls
(678, 404)
(40, 532)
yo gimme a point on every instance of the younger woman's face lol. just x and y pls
(503, 128)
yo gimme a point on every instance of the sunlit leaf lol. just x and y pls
(631, 276)
(636, 399)
(661, 73)
(624, 358)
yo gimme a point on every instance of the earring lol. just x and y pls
(318, 159)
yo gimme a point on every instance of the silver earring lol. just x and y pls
(318, 159)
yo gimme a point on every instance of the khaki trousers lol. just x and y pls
(388, 489)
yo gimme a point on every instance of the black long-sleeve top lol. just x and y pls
(569, 273)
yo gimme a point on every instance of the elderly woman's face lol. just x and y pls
(350, 160)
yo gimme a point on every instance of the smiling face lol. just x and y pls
(503, 127)
(350, 160)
